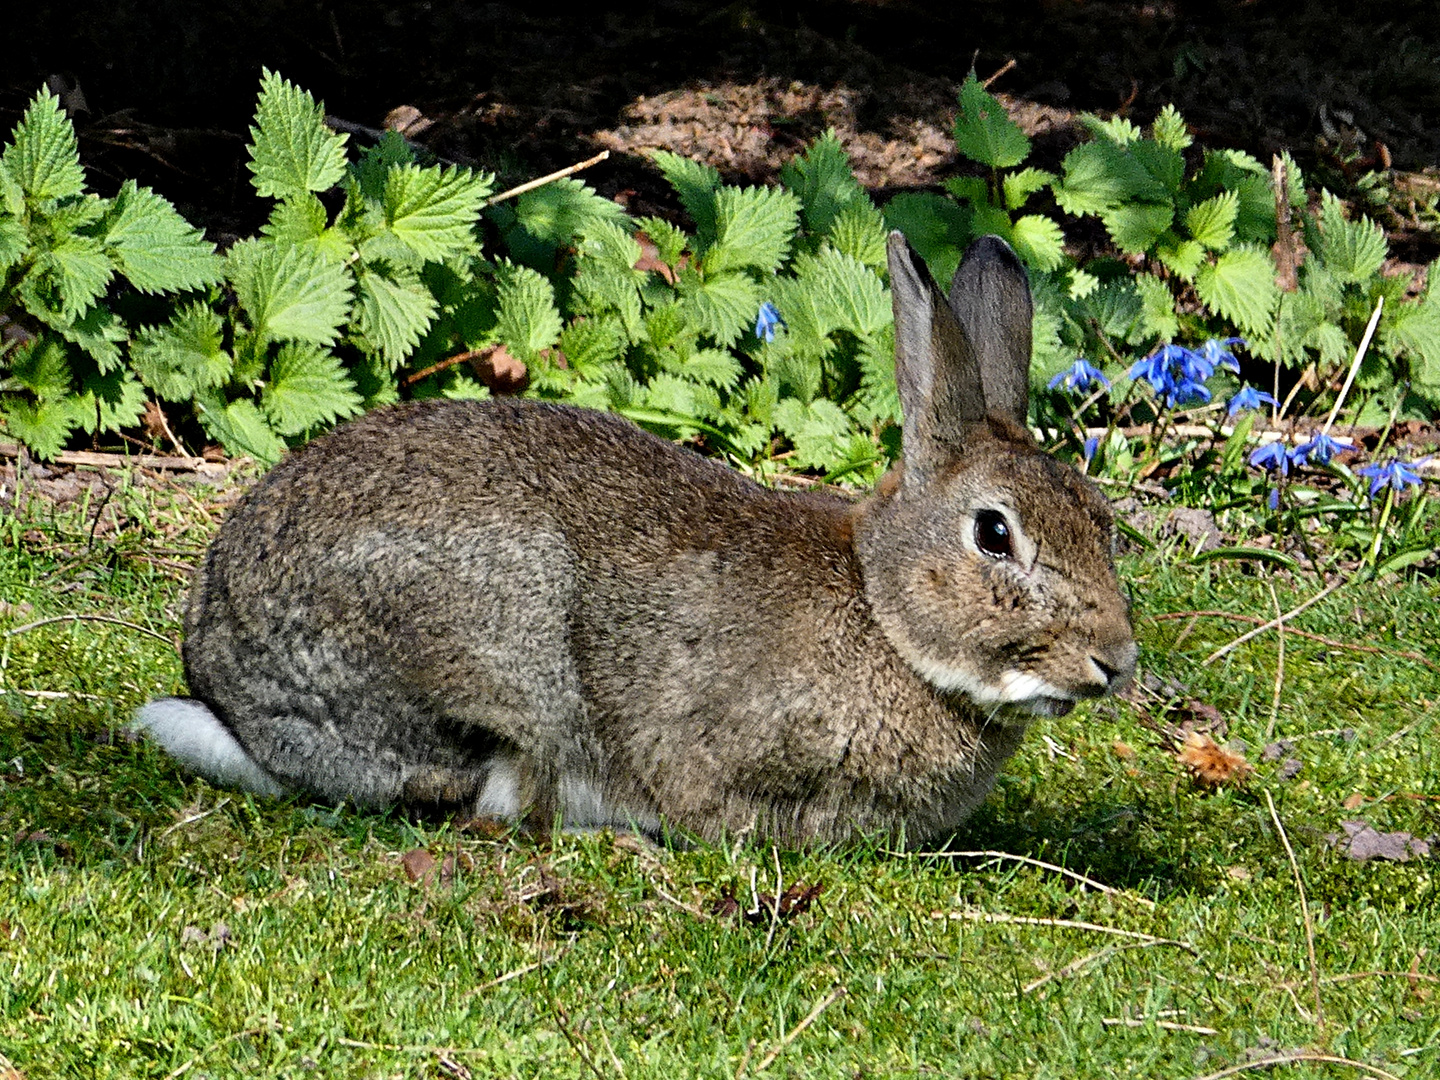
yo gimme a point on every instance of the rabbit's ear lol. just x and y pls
(991, 297)
(936, 370)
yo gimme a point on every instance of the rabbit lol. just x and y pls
(543, 613)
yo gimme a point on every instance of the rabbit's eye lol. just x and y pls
(992, 534)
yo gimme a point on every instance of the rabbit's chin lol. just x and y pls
(1045, 706)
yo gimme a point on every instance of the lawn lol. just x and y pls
(1104, 914)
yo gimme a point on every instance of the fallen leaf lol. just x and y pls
(1276, 750)
(650, 259)
(417, 863)
(1239, 873)
(407, 120)
(1353, 802)
(1418, 990)
(1290, 768)
(1123, 750)
(499, 370)
(1362, 843)
(1210, 764)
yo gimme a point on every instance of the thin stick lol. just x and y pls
(449, 361)
(1167, 1025)
(1066, 924)
(1081, 878)
(1337, 583)
(794, 1033)
(1085, 961)
(1355, 364)
(503, 979)
(775, 911)
(1279, 664)
(1007, 66)
(1291, 1059)
(690, 908)
(559, 174)
(1331, 642)
(88, 618)
(561, 1021)
(117, 461)
(1304, 908)
(195, 817)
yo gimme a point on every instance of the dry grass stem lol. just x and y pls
(1027, 860)
(1291, 1059)
(1304, 907)
(1165, 1025)
(91, 618)
(1243, 638)
(1255, 620)
(541, 181)
(794, 1033)
(1065, 924)
(1086, 960)
(1279, 664)
(1355, 364)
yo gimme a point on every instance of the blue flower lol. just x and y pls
(1319, 450)
(1394, 473)
(1092, 444)
(1273, 500)
(1248, 398)
(1079, 377)
(1216, 353)
(1272, 456)
(768, 319)
(1177, 374)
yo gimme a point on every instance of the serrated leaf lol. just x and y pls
(527, 321)
(695, 184)
(823, 182)
(879, 397)
(43, 157)
(295, 219)
(859, 231)
(563, 210)
(668, 240)
(984, 131)
(74, 214)
(971, 189)
(156, 248)
(13, 243)
(1118, 130)
(713, 366)
(1164, 164)
(1169, 129)
(433, 211)
(1101, 175)
(723, 306)
(819, 431)
(1157, 307)
(612, 246)
(1240, 286)
(1414, 331)
(852, 295)
(66, 279)
(99, 333)
(372, 170)
(1136, 226)
(592, 342)
(109, 401)
(1082, 284)
(240, 427)
(392, 313)
(1039, 242)
(292, 151)
(1212, 222)
(185, 355)
(1182, 259)
(1019, 186)
(307, 388)
(42, 426)
(753, 228)
(290, 293)
(937, 228)
(1351, 250)
(41, 367)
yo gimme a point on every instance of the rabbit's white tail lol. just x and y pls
(195, 737)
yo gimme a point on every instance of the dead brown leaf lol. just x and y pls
(417, 864)
(1210, 764)
(795, 900)
(407, 120)
(1353, 802)
(502, 372)
(1418, 990)
(650, 259)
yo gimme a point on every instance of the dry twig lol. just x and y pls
(1081, 878)
(1243, 638)
(1304, 908)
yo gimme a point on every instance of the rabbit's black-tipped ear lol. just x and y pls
(990, 295)
(936, 370)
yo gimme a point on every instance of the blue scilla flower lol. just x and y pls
(1319, 450)
(1178, 374)
(1394, 473)
(1092, 444)
(1271, 457)
(1248, 398)
(1216, 353)
(768, 319)
(1079, 377)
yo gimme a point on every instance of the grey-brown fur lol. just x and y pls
(441, 586)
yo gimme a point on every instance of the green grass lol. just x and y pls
(151, 926)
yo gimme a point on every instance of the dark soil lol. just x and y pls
(166, 87)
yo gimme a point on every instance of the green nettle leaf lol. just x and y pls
(984, 131)
(527, 320)
(433, 211)
(290, 293)
(971, 189)
(1240, 285)
(1082, 284)
(819, 430)
(879, 398)
(822, 180)
(564, 209)
(590, 343)
(185, 355)
(1119, 130)
(1212, 222)
(852, 295)
(936, 227)
(1157, 307)
(40, 366)
(859, 231)
(1136, 226)
(42, 426)
(1169, 129)
(99, 333)
(1165, 165)
(695, 184)
(1039, 241)
(1101, 175)
(307, 388)
(43, 158)
(1351, 250)
(296, 219)
(1019, 186)
(723, 306)
(1182, 259)
(292, 150)
(156, 248)
(668, 240)
(372, 170)
(753, 228)
(713, 366)
(66, 279)
(109, 401)
(1414, 330)
(240, 427)
(610, 245)
(13, 243)
(393, 313)
(74, 214)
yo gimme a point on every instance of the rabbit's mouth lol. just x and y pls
(1047, 706)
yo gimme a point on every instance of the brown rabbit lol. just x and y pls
(515, 608)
